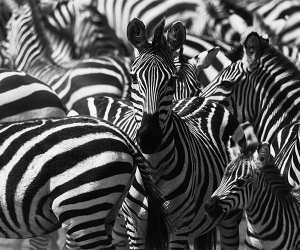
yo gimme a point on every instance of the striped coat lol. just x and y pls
(253, 183)
(23, 97)
(29, 52)
(69, 172)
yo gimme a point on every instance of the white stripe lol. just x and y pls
(21, 92)
(93, 90)
(4, 75)
(92, 107)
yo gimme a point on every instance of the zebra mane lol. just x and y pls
(280, 58)
(38, 25)
(65, 36)
(279, 183)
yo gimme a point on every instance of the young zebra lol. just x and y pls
(29, 51)
(74, 173)
(252, 182)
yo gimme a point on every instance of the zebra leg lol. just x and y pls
(119, 234)
(229, 230)
(134, 212)
(39, 243)
(179, 242)
(53, 238)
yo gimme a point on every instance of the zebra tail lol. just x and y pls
(157, 236)
(207, 241)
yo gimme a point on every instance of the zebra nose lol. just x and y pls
(213, 208)
(149, 135)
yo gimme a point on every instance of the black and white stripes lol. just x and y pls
(69, 172)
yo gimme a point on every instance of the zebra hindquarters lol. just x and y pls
(87, 212)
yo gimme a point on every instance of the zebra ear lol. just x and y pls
(159, 39)
(136, 34)
(176, 35)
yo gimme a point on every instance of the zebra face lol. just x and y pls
(253, 47)
(153, 81)
(238, 182)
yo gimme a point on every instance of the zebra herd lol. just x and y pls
(123, 123)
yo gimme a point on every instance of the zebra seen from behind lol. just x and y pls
(70, 172)
(252, 182)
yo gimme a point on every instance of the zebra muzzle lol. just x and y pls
(149, 135)
(213, 208)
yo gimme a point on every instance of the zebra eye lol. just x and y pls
(240, 182)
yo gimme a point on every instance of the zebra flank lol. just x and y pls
(69, 172)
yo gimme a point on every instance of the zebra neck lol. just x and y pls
(162, 159)
(45, 71)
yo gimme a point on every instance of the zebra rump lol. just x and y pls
(69, 172)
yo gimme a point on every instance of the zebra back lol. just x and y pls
(24, 97)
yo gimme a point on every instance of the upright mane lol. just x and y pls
(39, 27)
(280, 58)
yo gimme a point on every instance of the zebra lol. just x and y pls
(29, 52)
(174, 135)
(261, 88)
(92, 164)
(252, 182)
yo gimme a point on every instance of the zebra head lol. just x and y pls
(153, 80)
(238, 182)
(237, 85)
